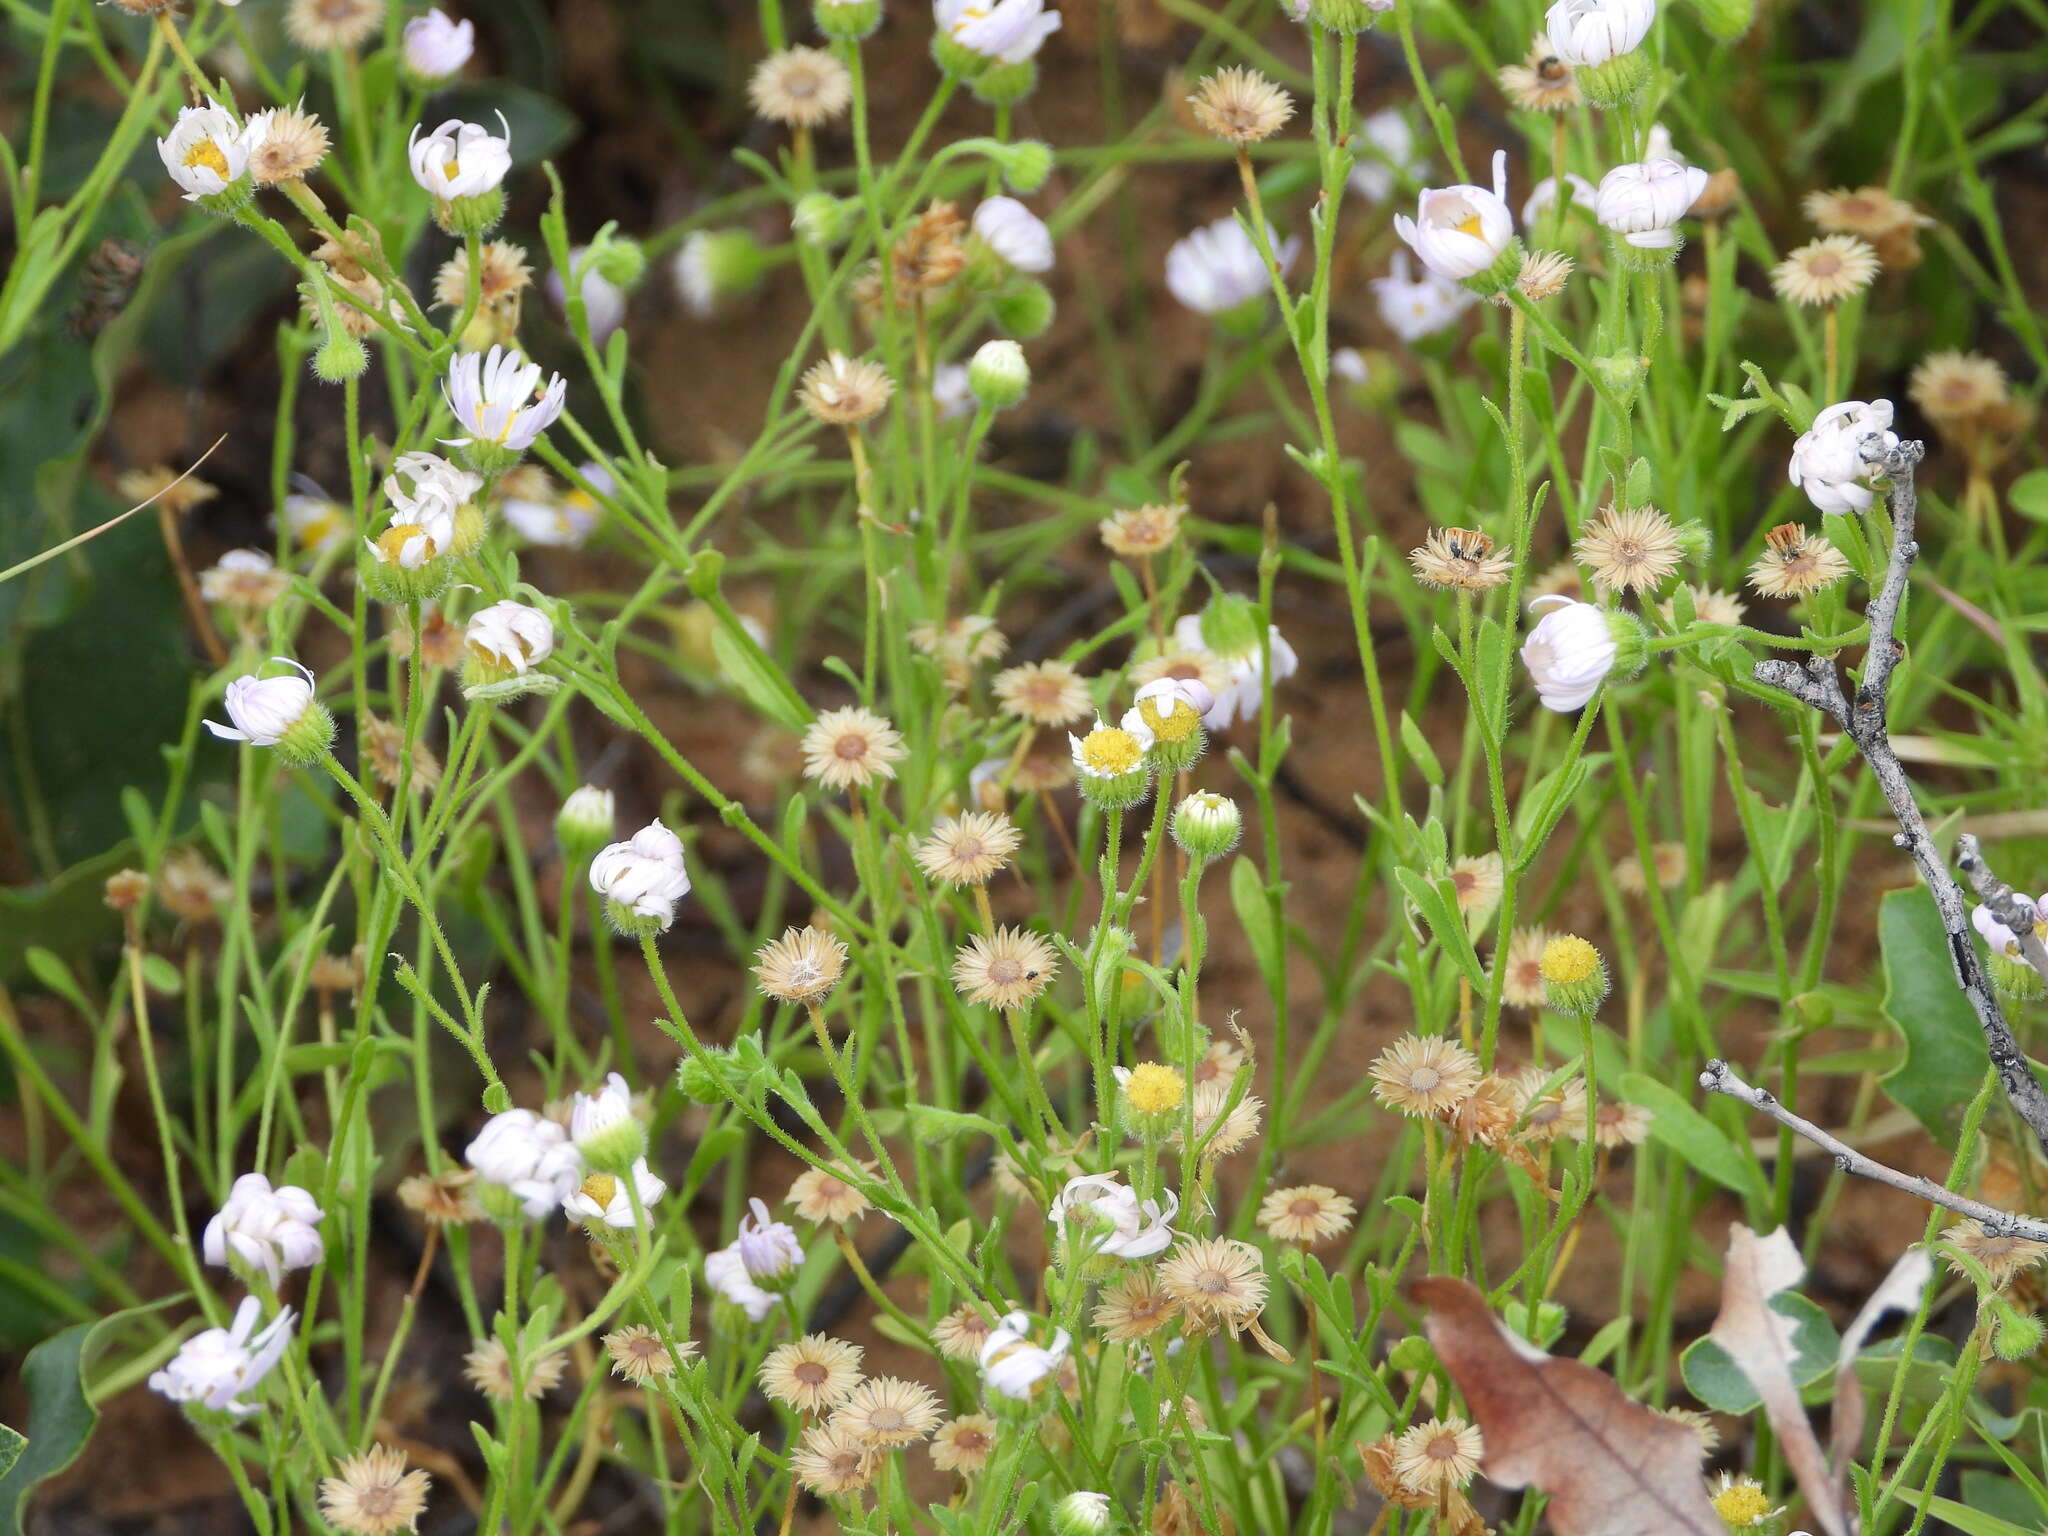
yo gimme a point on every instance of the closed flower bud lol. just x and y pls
(527, 1164)
(437, 46)
(1574, 976)
(1726, 19)
(998, 375)
(717, 265)
(1207, 825)
(1025, 163)
(1643, 202)
(1082, 1514)
(278, 712)
(1346, 15)
(339, 358)
(1572, 648)
(585, 821)
(1844, 449)
(1466, 233)
(265, 1230)
(606, 1131)
(1598, 39)
(848, 19)
(1015, 234)
(501, 647)
(1023, 310)
(641, 880)
(822, 220)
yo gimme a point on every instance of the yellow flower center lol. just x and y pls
(1470, 225)
(207, 153)
(392, 541)
(1153, 1089)
(601, 1187)
(451, 167)
(1569, 959)
(1176, 724)
(1109, 750)
(1741, 1504)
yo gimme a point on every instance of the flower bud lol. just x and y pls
(1024, 310)
(278, 712)
(715, 265)
(584, 823)
(436, 47)
(1082, 1514)
(339, 358)
(1726, 19)
(822, 220)
(1207, 825)
(1025, 163)
(998, 375)
(1574, 976)
(1346, 15)
(1643, 202)
(848, 19)
(1004, 85)
(605, 1129)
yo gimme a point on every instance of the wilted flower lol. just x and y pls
(1043, 693)
(1110, 1218)
(830, 1461)
(246, 580)
(820, 1195)
(373, 1494)
(1305, 1214)
(850, 748)
(1459, 557)
(1133, 1306)
(1542, 82)
(1011, 1365)
(488, 1368)
(885, 1411)
(2004, 1256)
(284, 144)
(967, 850)
(843, 391)
(318, 25)
(1825, 271)
(1424, 1076)
(1219, 1282)
(1438, 1455)
(1629, 550)
(217, 1366)
(1835, 457)
(802, 87)
(1240, 106)
(1795, 563)
(965, 1444)
(639, 1355)
(812, 1374)
(1005, 969)
(802, 966)
(441, 1199)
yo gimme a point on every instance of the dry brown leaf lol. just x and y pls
(1759, 1340)
(1611, 1466)
(1900, 1292)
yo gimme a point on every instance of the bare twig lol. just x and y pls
(1819, 685)
(2018, 912)
(1719, 1077)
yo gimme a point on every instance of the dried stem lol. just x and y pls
(2019, 913)
(1863, 720)
(1719, 1077)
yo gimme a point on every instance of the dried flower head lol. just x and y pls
(1459, 557)
(381, 745)
(1305, 1214)
(1005, 969)
(887, 1410)
(1221, 1126)
(1543, 274)
(1615, 1124)
(1542, 82)
(441, 1199)
(1043, 693)
(963, 644)
(965, 1444)
(190, 888)
(1700, 1424)
(373, 1494)
(813, 1374)
(503, 272)
(1477, 881)
(1388, 1483)
(844, 391)
(1487, 1118)
(932, 252)
(960, 1334)
(967, 850)
(489, 1369)
(174, 495)
(1826, 271)
(1220, 1063)
(830, 1461)
(1134, 1306)
(335, 973)
(801, 87)
(1959, 389)
(1438, 1455)
(1562, 579)
(1424, 1077)
(317, 25)
(1039, 772)
(822, 1196)
(800, 967)
(2003, 1256)
(1522, 987)
(1218, 1281)
(1548, 1113)
(1629, 551)
(1796, 563)
(1710, 606)
(1136, 532)
(246, 580)
(1890, 224)
(851, 747)
(293, 142)
(125, 889)
(1240, 106)
(639, 1355)
(1667, 862)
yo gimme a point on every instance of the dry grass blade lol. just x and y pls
(1759, 1340)
(1900, 1292)
(120, 517)
(1611, 1466)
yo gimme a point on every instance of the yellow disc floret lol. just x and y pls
(1568, 959)
(1110, 750)
(1175, 724)
(207, 153)
(1153, 1089)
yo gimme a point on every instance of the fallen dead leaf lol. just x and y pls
(1611, 1466)
(1759, 1340)
(1900, 1292)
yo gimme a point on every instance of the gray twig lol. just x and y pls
(1719, 1077)
(2018, 912)
(1863, 721)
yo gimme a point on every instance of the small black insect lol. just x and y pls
(105, 285)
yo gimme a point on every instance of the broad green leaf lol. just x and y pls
(755, 679)
(1675, 1123)
(1255, 916)
(1712, 1375)
(1945, 1054)
(2029, 495)
(1970, 1522)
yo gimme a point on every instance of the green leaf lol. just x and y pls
(1969, 1521)
(1255, 916)
(1945, 1054)
(61, 1416)
(755, 678)
(1439, 908)
(1712, 1375)
(1675, 1123)
(2029, 495)
(934, 1124)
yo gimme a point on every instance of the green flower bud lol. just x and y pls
(1024, 310)
(850, 20)
(465, 216)
(340, 357)
(1206, 825)
(822, 220)
(1004, 85)
(585, 822)
(1621, 79)
(1025, 163)
(998, 375)
(1083, 1514)
(1574, 976)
